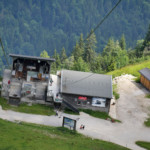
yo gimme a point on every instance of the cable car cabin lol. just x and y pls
(31, 68)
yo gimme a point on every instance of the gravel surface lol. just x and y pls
(132, 109)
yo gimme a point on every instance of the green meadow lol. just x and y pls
(25, 136)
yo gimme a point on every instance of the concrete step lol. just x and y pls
(15, 90)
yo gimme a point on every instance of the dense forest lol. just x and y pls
(59, 27)
(114, 55)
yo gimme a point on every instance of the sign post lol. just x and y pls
(69, 122)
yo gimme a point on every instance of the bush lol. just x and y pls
(147, 122)
(137, 80)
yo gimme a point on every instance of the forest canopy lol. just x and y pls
(58, 28)
(30, 26)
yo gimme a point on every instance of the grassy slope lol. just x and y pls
(143, 144)
(36, 137)
(34, 109)
(131, 69)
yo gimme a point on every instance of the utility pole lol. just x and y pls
(4, 53)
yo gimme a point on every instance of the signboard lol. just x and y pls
(99, 102)
(69, 122)
(27, 88)
(82, 98)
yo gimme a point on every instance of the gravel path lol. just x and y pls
(132, 109)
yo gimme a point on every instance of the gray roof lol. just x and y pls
(146, 73)
(86, 84)
(31, 57)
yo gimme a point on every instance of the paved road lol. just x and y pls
(132, 109)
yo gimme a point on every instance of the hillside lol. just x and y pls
(30, 26)
(130, 69)
(29, 136)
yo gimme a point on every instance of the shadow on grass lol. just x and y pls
(143, 144)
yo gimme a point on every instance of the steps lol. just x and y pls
(70, 106)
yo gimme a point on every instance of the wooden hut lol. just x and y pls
(145, 77)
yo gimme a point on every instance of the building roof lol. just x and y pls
(32, 57)
(146, 73)
(86, 84)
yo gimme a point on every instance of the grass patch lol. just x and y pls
(137, 79)
(115, 93)
(98, 114)
(130, 69)
(24, 136)
(147, 96)
(147, 122)
(34, 109)
(68, 111)
(143, 144)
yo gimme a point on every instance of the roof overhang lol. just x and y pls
(145, 72)
(32, 57)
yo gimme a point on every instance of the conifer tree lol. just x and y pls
(81, 43)
(146, 42)
(122, 42)
(81, 65)
(77, 52)
(44, 54)
(63, 55)
(90, 46)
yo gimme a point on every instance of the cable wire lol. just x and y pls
(80, 79)
(98, 25)
(105, 17)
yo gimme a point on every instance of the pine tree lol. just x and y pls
(63, 55)
(90, 46)
(77, 52)
(44, 54)
(57, 58)
(81, 65)
(122, 42)
(146, 43)
(138, 48)
(81, 43)
(97, 64)
(109, 47)
(69, 62)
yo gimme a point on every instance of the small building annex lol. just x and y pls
(145, 77)
(28, 78)
(86, 90)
